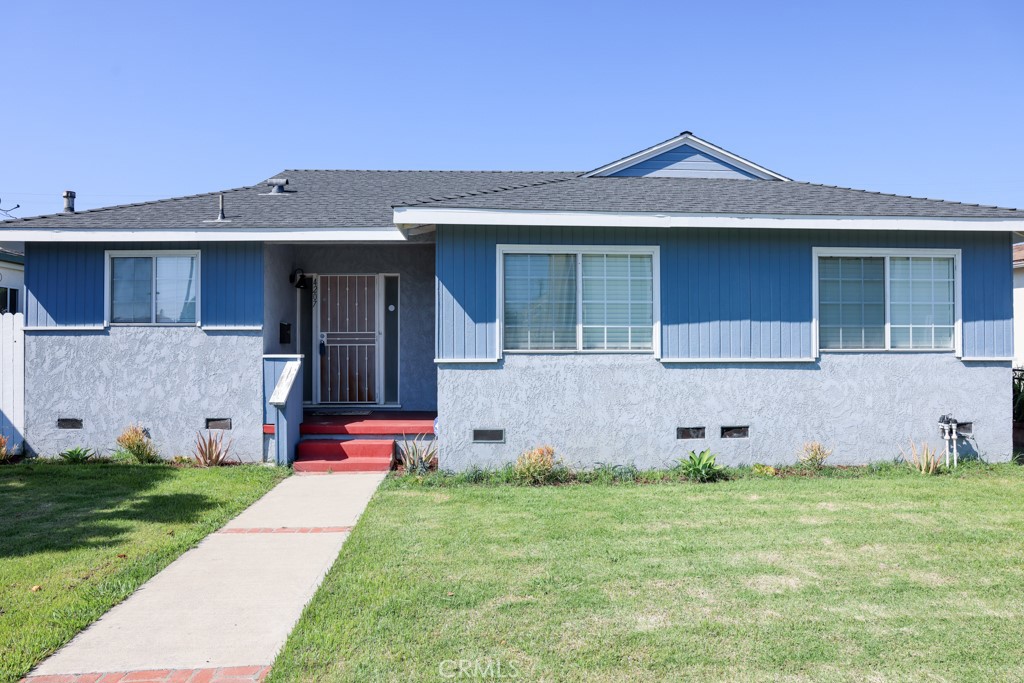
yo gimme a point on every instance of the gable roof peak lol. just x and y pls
(709, 151)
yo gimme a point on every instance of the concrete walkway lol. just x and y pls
(223, 609)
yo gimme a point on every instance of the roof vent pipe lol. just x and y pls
(69, 201)
(220, 210)
(277, 185)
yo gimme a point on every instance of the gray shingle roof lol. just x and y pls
(314, 199)
(717, 196)
(364, 199)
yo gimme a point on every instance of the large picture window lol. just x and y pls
(887, 300)
(147, 288)
(586, 299)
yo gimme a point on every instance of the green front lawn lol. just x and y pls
(883, 577)
(77, 539)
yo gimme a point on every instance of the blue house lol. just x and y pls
(680, 298)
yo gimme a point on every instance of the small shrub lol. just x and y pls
(701, 466)
(925, 460)
(77, 455)
(6, 452)
(764, 470)
(419, 455)
(210, 450)
(136, 446)
(539, 466)
(183, 461)
(814, 455)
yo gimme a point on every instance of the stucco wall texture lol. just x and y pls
(596, 408)
(169, 379)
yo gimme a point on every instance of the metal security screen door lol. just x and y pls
(349, 337)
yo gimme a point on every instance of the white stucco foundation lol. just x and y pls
(169, 379)
(626, 408)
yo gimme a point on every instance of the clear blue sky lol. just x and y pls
(130, 101)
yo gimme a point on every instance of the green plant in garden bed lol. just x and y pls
(540, 465)
(418, 455)
(701, 467)
(134, 445)
(77, 455)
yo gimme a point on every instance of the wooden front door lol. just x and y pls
(348, 338)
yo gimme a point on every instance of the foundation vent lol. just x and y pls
(488, 436)
(735, 432)
(69, 423)
(690, 432)
(218, 423)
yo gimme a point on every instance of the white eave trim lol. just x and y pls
(699, 145)
(411, 215)
(27, 234)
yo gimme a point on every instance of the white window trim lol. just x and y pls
(653, 251)
(152, 253)
(887, 253)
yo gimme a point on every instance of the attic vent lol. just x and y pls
(277, 185)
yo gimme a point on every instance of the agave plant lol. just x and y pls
(77, 455)
(418, 455)
(925, 460)
(701, 466)
(814, 455)
(211, 451)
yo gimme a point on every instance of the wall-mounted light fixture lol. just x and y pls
(298, 279)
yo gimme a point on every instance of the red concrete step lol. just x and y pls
(369, 425)
(346, 465)
(330, 449)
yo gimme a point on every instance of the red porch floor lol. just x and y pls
(377, 423)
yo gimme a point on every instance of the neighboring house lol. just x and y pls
(12, 278)
(1018, 305)
(680, 298)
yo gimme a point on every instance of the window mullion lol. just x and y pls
(885, 288)
(579, 301)
(152, 294)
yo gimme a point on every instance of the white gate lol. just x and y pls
(12, 378)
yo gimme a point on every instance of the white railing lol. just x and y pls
(12, 378)
(282, 387)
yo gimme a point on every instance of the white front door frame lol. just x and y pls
(379, 356)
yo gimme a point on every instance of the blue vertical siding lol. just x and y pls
(64, 282)
(683, 162)
(724, 293)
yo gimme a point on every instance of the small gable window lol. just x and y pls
(578, 299)
(887, 300)
(152, 288)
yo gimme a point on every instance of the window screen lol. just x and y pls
(540, 301)
(148, 289)
(618, 301)
(851, 303)
(921, 304)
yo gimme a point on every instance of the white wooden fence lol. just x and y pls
(12, 378)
